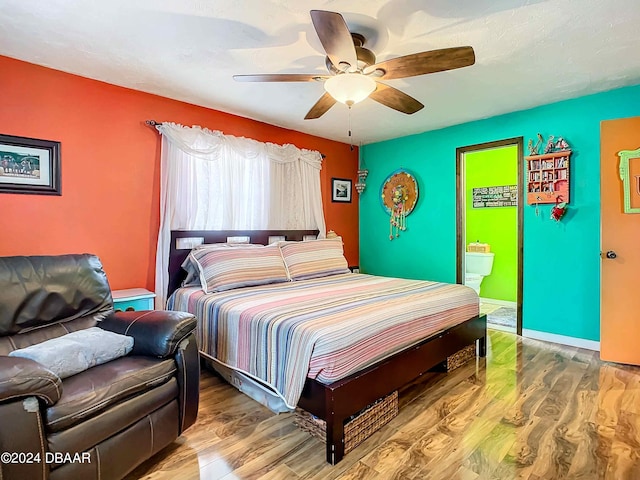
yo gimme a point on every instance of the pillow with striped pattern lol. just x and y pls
(314, 258)
(191, 267)
(226, 268)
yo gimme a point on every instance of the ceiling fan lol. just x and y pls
(354, 74)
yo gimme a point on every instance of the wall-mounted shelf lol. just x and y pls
(548, 177)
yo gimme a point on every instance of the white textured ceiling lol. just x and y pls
(528, 53)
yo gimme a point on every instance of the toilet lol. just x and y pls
(477, 266)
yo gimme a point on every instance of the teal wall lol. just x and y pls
(561, 286)
(497, 226)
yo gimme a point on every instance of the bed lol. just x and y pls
(340, 380)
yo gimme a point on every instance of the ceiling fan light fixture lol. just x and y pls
(350, 88)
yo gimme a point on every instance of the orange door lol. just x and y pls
(620, 292)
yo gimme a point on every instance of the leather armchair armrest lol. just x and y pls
(156, 333)
(23, 377)
(188, 364)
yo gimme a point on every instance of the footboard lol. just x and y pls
(336, 402)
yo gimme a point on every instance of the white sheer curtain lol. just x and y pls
(212, 181)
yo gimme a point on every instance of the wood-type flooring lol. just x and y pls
(531, 410)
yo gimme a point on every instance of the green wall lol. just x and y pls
(561, 286)
(497, 226)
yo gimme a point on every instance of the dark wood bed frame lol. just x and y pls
(336, 402)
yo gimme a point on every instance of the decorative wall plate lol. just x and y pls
(399, 186)
(399, 195)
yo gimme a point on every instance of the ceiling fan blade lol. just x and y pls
(321, 107)
(335, 37)
(394, 98)
(280, 77)
(425, 62)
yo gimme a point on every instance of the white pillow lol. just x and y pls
(77, 351)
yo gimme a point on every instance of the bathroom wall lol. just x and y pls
(497, 226)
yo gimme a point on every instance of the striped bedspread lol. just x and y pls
(325, 328)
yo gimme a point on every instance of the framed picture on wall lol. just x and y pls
(29, 165)
(341, 190)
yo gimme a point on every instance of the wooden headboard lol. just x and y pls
(182, 241)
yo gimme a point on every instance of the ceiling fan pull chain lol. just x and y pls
(350, 137)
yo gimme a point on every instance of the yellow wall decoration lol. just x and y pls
(630, 176)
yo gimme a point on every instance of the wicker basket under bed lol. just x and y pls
(461, 357)
(363, 424)
(357, 429)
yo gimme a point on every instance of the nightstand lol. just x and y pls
(132, 299)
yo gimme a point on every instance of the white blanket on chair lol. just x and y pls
(77, 351)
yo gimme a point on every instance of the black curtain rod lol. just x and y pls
(153, 123)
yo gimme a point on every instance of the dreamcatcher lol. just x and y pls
(399, 194)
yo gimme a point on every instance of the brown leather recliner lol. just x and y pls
(103, 422)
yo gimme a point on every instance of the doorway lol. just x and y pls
(489, 211)
(620, 221)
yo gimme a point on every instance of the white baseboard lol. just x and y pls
(562, 339)
(504, 303)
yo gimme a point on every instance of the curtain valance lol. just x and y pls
(213, 181)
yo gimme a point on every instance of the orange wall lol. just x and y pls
(110, 169)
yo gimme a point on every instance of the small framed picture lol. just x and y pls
(29, 165)
(341, 190)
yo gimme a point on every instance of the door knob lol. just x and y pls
(611, 254)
